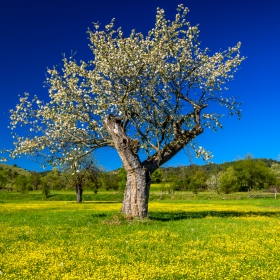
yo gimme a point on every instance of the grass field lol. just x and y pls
(183, 239)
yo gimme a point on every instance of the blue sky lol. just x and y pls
(34, 34)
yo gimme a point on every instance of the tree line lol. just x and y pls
(91, 178)
(87, 179)
(242, 175)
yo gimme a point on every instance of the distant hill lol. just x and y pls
(15, 168)
(208, 167)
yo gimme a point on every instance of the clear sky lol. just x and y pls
(34, 34)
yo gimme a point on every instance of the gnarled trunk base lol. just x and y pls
(136, 193)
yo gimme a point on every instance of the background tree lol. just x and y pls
(54, 180)
(35, 180)
(45, 186)
(228, 180)
(213, 183)
(197, 181)
(253, 173)
(180, 179)
(3, 178)
(275, 168)
(109, 181)
(154, 93)
(23, 184)
(157, 176)
(82, 172)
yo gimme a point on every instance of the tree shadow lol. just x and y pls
(92, 202)
(51, 195)
(100, 202)
(99, 215)
(172, 216)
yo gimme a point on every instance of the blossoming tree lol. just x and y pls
(151, 93)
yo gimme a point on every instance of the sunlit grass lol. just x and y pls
(210, 240)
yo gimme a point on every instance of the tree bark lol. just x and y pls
(136, 194)
(79, 193)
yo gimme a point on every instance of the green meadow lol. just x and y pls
(202, 237)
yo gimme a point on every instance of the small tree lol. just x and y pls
(154, 93)
(45, 186)
(197, 181)
(228, 180)
(180, 179)
(81, 172)
(254, 174)
(157, 176)
(53, 179)
(23, 184)
(36, 178)
(213, 183)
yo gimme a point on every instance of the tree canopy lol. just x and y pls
(158, 86)
(153, 93)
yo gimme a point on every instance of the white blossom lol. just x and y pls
(161, 86)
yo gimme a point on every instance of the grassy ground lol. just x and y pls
(183, 239)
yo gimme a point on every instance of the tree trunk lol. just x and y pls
(249, 192)
(79, 193)
(136, 193)
(138, 182)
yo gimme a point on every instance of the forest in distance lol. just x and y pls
(238, 176)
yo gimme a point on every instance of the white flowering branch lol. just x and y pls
(159, 88)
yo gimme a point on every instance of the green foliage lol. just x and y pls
(45, 186)
(54, 179)
(157, 176)
(275, 168)
(3, 178)
(51, 181)
(113, 180)
(178, 178)
(109, 181)
(197, 181)
(228, 180)
(189, 178)
(253, 174)
(121, 177)
(93, 185)
(23, 184)
(36, 179)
